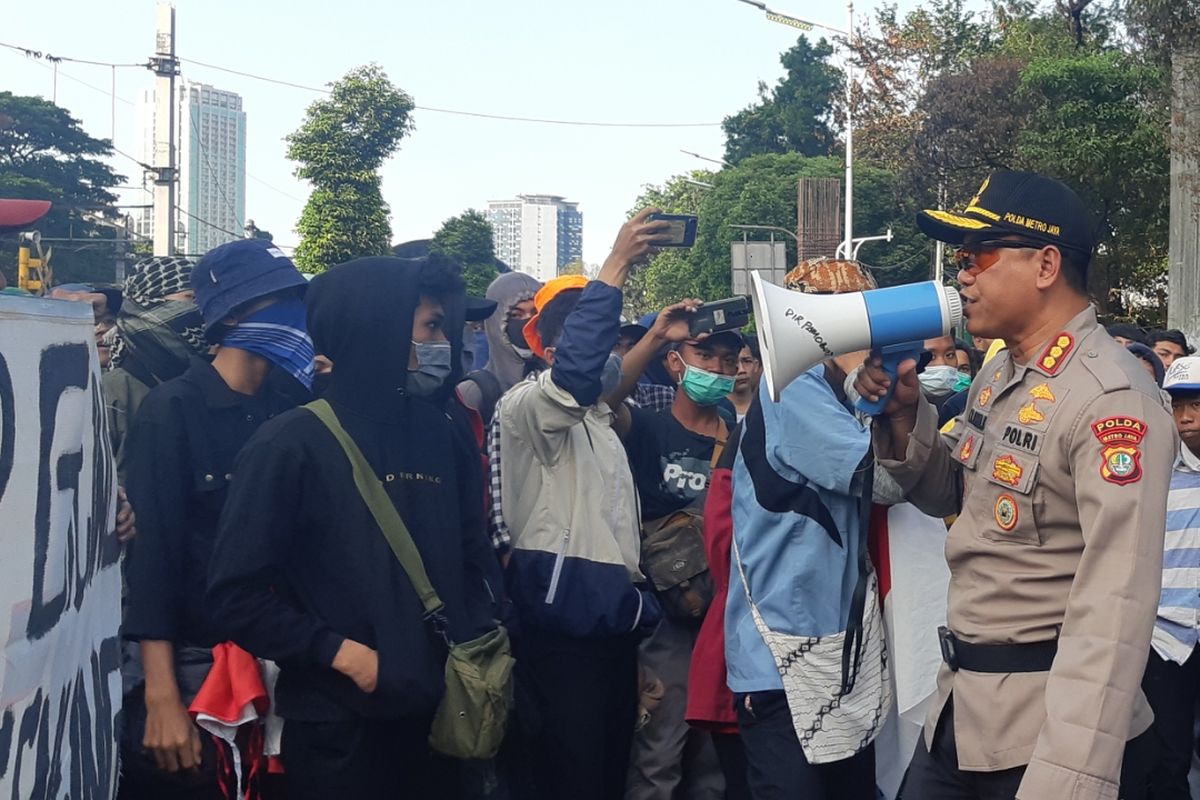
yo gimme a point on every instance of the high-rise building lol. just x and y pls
(210, 151)
(538, 234)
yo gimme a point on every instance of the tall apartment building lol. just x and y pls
(211, 153)
(537, 233)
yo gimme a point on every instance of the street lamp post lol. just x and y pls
(805, 25)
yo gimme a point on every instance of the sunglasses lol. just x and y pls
(979, 256)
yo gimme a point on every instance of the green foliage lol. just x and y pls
(46, 155)
(339, 147)
(467, 239)
(795, 116)
(1092, 126)
(762, 190)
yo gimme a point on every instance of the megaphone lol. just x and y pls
(797, 331)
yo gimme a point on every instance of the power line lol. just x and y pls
(40, 56)
(212, 171)
(477, 114)
(212, 225)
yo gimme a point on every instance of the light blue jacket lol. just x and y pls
(796, 522)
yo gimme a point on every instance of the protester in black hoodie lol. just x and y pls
(301, 573)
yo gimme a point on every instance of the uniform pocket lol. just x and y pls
(1002, 500)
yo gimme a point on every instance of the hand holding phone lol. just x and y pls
(682, 230)
(730, 314)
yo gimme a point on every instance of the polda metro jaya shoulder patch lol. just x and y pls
(1120, 448)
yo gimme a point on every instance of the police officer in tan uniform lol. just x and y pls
(1058, 470)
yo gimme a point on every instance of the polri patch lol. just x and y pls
(1006, 512)
(1120, 448)
(1022, 438)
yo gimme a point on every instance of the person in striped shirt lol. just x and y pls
(1172, 680)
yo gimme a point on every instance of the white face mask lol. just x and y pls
(939, 381)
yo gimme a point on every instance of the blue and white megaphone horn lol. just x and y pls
(797, 331)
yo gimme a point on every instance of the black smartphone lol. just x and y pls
(682, 230)
(730, 314)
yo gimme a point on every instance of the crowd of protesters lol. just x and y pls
(689, 570)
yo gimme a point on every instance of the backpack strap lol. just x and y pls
(384, 512)
(489, 391)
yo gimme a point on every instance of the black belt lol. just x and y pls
(996, 658)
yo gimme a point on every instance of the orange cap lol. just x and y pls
(550, 290)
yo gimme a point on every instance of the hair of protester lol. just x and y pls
(1143, 352)
(1172, 335)
(751, 341)
(1125, 331)
(553, 316)
(439, 278)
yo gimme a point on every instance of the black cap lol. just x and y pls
(1021, 204)
(479, 308)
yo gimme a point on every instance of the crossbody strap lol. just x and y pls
(385, 514)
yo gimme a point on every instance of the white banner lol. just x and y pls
(60, 579)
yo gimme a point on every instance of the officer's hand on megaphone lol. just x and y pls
(873, 383)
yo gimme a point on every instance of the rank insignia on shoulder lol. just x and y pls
(1006, 512)
(1042, 392)
(1007, 469)
(1120, 452)
(1055, 354)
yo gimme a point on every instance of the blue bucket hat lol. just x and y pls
(237, 273)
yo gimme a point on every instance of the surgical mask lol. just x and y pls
(433, 367)
(940, 381)
(610, 377)
(704, 387)
(514, 329)
(964, 382)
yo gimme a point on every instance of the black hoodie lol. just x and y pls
(300, 564)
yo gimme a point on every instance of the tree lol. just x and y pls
(795, 116)
(339, 148)
(762, 190)
(576, 267)
(468, 240)
(1093, 124)
(46, 155)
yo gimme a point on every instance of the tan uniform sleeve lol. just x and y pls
(1095, 682)
(929, 475)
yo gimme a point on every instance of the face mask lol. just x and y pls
(704, 387)
(514, 329)
(939, 381)
(277, 333)
(610, 378)
(433, 367)
(964, 382)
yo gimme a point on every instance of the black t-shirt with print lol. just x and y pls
(670, 463)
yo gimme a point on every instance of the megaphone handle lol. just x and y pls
(892, 356)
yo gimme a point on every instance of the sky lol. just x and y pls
(644, 61)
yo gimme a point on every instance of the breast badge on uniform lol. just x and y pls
(1006, 469)
(1042, 392)
(1120, 453)
(1055, 354)
(1006, 512)
(985, 397)
(1030, 413)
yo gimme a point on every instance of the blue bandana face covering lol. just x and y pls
(279, 334)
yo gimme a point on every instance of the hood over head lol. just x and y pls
(360, 316)
(506, 290)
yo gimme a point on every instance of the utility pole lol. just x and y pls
(165, 66)
(1183, 281)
